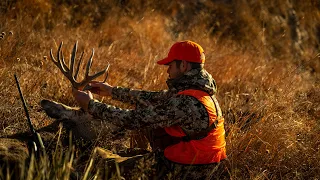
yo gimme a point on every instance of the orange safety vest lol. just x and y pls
(210, 149)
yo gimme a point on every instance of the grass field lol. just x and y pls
(264, 56)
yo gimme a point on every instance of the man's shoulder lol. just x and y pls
(183, 99)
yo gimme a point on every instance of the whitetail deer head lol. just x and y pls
(72, 74)
(81, 123)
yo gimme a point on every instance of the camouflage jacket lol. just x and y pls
(161, 108)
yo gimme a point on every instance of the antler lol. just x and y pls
(69, 71)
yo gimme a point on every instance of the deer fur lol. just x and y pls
(81, 123)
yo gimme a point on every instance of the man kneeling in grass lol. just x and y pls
(185, 123)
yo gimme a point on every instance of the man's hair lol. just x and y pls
(193, 64)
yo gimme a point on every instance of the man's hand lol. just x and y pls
(82, 98)
(100, 88)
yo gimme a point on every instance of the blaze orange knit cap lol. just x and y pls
(184, 50)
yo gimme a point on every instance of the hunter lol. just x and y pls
(185, 122)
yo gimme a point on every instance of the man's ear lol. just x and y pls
(184, 66)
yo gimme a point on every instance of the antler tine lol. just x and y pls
(59, 57)
(73, 57)
(52, 58)
(98, 74)
(89, 64)
(90, 78)
(51, 54)
(59, 49)
(63, 63)
(107, 74)
(78, 67)
(57, 62)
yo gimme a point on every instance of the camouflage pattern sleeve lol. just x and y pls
(185, 111)
(132, 96)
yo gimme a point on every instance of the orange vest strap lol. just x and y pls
(218, 109)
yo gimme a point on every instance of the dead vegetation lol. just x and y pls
(264, 56)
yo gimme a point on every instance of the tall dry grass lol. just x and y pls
(264, 56)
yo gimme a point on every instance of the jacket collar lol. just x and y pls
(194, 79)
